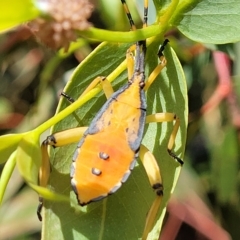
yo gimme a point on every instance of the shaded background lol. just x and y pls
(205, 204)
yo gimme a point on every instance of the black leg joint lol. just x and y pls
(161, 49)
(71, 100)
(158, 187)
(39, 209)
(159, 192)
(173, 155)
(50, 140)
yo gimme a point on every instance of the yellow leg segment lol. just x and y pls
(44, 173)
(153, 172)
(159, 67)
(56, 140)
(155, 72)
(151, 166)
(151, 216)
(105, 84)
(167, 117)
(130, 61)
(63, 138)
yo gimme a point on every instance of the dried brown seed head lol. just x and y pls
(63, 17)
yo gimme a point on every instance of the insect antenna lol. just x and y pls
(140, 45)
(129, 16)
(145, 16)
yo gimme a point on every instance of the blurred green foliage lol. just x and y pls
(32, 77)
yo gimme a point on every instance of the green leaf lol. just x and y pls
(122, 215)
(8, 143)
(14, 12)
(6, 174)
(29, 157)
(208, 21)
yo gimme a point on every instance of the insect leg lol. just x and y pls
(130, 61)
(151, 166)
(104, 83)
(56, 140)
(167, 117)
(153, 172)
(159, 67)
(100, 80)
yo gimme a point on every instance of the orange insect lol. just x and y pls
(108, 150)
(112, 141)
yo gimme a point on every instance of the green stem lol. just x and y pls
(79, 102)
(125, 37)
(133, 36)
(67, 111)
(104, 35)
(164, 20)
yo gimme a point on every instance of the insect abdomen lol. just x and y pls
(101, 167)
(108, 150)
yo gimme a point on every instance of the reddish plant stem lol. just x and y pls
(224, 89)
